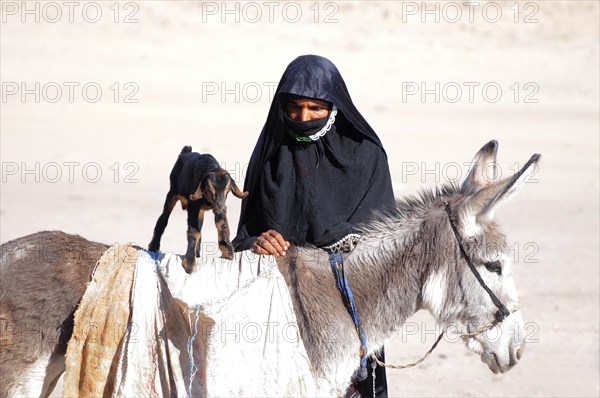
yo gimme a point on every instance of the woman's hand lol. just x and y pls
(270, 242)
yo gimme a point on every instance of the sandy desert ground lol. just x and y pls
(98, 99)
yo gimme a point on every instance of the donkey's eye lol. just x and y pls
(494, 266)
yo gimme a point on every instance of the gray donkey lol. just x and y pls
(407, 259)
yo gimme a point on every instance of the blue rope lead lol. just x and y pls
(337, 264)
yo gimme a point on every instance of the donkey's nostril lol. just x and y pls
(520, 351)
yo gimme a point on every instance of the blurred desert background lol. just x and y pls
(123, 86)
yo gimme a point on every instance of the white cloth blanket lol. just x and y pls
(228, 329)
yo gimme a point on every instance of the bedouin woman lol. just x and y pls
(317, 171)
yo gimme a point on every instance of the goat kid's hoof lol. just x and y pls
(227, 251)
(189, 265)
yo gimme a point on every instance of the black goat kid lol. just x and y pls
(200, 184)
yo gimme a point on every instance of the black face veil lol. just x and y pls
(313, 192)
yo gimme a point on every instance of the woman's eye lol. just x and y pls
(494, 266)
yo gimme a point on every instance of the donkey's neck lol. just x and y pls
(386, 272)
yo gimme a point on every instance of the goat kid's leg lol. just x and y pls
(194, 236)
(200, 220)
(189, 263)
(223, 230)
(162, 222)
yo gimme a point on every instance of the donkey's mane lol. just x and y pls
(407, 206)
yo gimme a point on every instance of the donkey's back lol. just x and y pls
(42, 278)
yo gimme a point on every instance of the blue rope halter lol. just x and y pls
(337, 265)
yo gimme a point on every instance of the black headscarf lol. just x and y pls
(316, 192)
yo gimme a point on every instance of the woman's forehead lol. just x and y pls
(307, 101)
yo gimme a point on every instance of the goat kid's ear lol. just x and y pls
(483, 203)
(483, 170)
(197, 195)
(237, 192)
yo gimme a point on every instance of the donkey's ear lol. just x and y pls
(483, 203)
(483, 170)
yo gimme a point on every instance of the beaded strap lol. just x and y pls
(346, 244)
(320, 133)
(327, 127)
